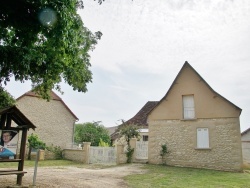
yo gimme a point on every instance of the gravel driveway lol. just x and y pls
(67, 177)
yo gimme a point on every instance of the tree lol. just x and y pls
(91, 132)
(128, 131)
(6, 99)
(46, 42)
(35, 143)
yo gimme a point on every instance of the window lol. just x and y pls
(188, 107)
(202, 138)
(145, 138)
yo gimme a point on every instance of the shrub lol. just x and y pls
(164, 151)
(57, 150)
(103, 144)
(36, 143)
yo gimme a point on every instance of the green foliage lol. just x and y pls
(34, 142)
(91, 132)
(57, 150)
(6, 99)
(129, 154)
(129, 131)
(44, 163)
(164, 151)
(46, 42)
(103, 144)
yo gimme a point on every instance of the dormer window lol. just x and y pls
(188, 107)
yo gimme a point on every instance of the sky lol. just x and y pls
(144, 45)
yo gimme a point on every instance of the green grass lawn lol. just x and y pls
(166, 176)
(31, 163)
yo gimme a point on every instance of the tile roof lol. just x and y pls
(140, 118)
(33, 94)
(111, 130)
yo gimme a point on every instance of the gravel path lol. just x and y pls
(74, 177)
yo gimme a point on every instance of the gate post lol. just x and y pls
(133, 145)
(119, 153)
(86, 148)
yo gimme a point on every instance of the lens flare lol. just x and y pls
(47, 17)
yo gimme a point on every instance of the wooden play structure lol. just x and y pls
(12, 119)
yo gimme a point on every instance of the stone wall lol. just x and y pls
(121, 157)
(180, 136)
(75, 155)
(54, 122)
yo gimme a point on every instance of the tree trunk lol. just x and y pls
(29, 153)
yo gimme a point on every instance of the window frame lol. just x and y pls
(143, 138)
(202, 138)
(191, 102)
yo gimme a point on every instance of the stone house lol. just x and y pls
(54, 120)
(199, 126)
(245, 141)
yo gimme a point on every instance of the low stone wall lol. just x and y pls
(44, 155)
(75, 155)
(48, 155)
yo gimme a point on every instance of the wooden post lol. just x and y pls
(22, 156)
(8, 122)
(2, 121)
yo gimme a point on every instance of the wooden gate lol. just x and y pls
(141, 151)
(102, 155)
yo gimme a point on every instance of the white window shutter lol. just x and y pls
(202, 138)
(188, 107)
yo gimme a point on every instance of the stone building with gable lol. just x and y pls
(53, 119)
(199, 126)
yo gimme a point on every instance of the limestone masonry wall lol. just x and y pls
(225, 152)
(75, 155)
(53, 121)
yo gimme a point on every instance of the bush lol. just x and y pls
(163, 153)
(103, 144)
(129, 154)
(35, 143)
(57, 150)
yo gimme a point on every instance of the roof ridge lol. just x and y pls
(31, 93)
(54, 97)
